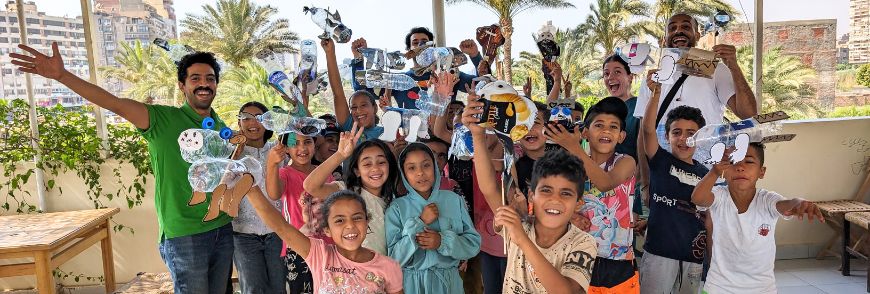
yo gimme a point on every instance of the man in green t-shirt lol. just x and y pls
(198, 254)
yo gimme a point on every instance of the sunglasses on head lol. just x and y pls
(246, 116)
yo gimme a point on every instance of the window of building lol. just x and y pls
(34, 31)
(16, 40)
(2, 29)
(35, 41)
(32, 21)
(13, 19)
(13, 30)
(4, 40)
(54, 23)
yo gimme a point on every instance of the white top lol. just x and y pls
(744, 246)
(248, 222)
(709, 95)
(376, 237)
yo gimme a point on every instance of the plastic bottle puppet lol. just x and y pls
(490, 38)
(711, 141)
(545, 38)
(176, 51)
(307, 67)
(439, 58)
(505, 111)
(273, 63)
(414, 124)
(637, 55)
(217, 168)
(380, 59)
(284, 123)
(330, 23)
(461, 145)
(560, 113)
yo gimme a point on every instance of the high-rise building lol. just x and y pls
(129, 21)
(42, 30)
(859, 31)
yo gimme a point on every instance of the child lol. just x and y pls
(283, 182)
(363, 108)
(428, 244)
(676, 239)
(607, 194)
(534, 146)
(343, 267)
(370, 170)
(745, 219)
(440, 148)
(548, 254)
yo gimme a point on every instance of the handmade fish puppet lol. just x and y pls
(546, 40)
(283, 123)
(712, 141)
(219, 168)
(490, 38)
(414, 124)
(637, 55)
(505, 111)
(697, 62)
(330, 23)
(560, 113)
(437, 58)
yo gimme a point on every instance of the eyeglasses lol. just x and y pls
(246, 116)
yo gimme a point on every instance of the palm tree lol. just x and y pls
(237, 29)
(506, 10)
(699, 9)
(242, 84)
(609, 22)
(578, 61)
(784, 82)
(147, 69)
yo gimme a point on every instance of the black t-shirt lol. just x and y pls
(524, 167)
(460, 171)
(675, 228)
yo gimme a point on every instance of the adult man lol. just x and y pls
(198, 254)
(728, 87)
(417, 37)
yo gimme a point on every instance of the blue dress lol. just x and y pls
(431, 271)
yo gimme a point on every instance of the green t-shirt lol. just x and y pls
(172, 189)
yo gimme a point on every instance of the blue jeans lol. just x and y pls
(259, 263)
(200, 263)
(492, 269)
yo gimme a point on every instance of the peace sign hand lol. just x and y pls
(40, 64)
(347, 140)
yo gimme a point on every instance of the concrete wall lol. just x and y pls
(824, 162)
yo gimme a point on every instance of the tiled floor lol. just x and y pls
(810, 276)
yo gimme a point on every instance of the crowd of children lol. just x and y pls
(360, 215)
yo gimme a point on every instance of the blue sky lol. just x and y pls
(384, 22)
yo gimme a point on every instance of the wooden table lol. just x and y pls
(52, 239)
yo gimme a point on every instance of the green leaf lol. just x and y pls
(50, 184)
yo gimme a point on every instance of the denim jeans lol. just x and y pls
(492, 269)
(259, 263)
(200, 263)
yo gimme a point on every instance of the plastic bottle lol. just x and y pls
(407, 114)
(273, 64)
(308, 48)
(461, 146)
(435, 105)
(197, 144)
(710, 135)
(205, 175)
(441, 57)
(374, 58)
(395, 81)
(330, 23)
(282, 123)
(395, 60)
(176, 51)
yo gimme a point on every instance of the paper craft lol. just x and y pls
(637, 55)
(712, 141)
(413, 123)
(505, 111)
(545, 38)
(667, 73)
(490, 38)
(698, 62)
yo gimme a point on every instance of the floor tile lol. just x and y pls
(844, 288)
(786, 279)
(800, 290)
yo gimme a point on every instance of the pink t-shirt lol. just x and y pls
(293, 208)
(333, 273)
(490, 242)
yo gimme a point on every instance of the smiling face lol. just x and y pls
(326, 146)
(372, 168)
(418, 40)
(603, 133)
(682, 31)
(347, 224)
(363, 111)
(303, 151)
(617, 80)
(200, 86)
(249, 125)
(554, 200)
(745, 174)
(419, 171)
(680, 130)
(440, 151)
(534, 140)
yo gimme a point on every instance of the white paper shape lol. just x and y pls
(667, 73)
(391, 120)
(414, 129)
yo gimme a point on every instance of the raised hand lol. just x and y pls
(527, 88)
(560, 135)
(347, 140)
(277, 154)
(555, 69)
(384, 100)
(444, 83)
(468, 46)
(40, 64)
(328, 45)
(473, 108)
(429, 214)
(356, 45)
(567, 85)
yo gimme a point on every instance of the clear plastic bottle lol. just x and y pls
(441, 57)
(374, 58)
(461, 146)
(176, 51)
(330, 23)
(308, 48)
(282, 123)
(205, 175)
(727, 134)
(434, 104)
(407, 114)
(395, 81)
(197, 144)
(274, 66)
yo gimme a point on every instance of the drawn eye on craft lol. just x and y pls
(190, 140)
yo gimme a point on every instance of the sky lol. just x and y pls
(384, 23)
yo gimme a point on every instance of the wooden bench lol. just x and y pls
(860, 219)
(834, 212)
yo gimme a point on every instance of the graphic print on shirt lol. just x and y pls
(684, 176)
(610, 216)
(347, 280)
(763, 230)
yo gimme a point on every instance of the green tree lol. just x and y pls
(699, 9)
(243, 84)
(235, 30)
(784, 82)
(506, 10)
(609, 23)
(862, 76)
(578, 60)
(149, 73)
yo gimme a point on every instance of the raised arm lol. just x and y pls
(273, 219)
(316, 182)
(648, 121)
(743, 102)
(52, 68)
(342, 110)
(483, 168)
(274, 185)
(703, 193)
(556, 73)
